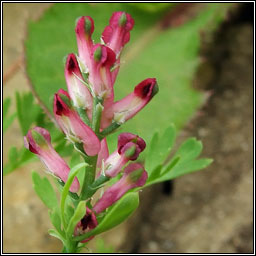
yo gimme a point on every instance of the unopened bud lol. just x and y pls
(38, 138)
(123, 20)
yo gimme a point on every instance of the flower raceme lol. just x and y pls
(100, 63)
(87, 113)
(38, 141)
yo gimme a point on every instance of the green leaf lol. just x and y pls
(115, 215)
(76, 159)
(27, 111)
(152, 7)
(17, 158)
(77, 216)
(73, 172)
(189, 149)
(13, 154)
(6, 106)
(155, 174)
(7, 120)
(56, 219)
(188, 167)
(56, 234)
(151, 158)
(171, 55)
(158, 151)
(44, 190)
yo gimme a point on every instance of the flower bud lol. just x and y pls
(84, 30)
(129, 148)
(134, 176)
(72, 125)
(78, 91)
(129, 106)
(87, 223)
(38, 141)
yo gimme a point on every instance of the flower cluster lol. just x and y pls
(87, 113)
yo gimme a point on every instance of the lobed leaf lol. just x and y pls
(45, 191)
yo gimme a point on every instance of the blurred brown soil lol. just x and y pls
(210, 211)
(207, 212)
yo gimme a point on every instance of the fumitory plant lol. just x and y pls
(102, 191)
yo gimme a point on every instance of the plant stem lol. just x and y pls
(96, 117)
(89, 177)
(82, 113)
(111, 128)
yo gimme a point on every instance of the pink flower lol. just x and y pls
(117, 34)
(129, 148)
(100, 76)
(84, 30)
(129, 106)
(72, 125)
(38, 141)
(134, 176)
(101, 80)
(87, 223)
(78, 91)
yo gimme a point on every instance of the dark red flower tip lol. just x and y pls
(72, 64)
(84, 25)
(147, 88)
(62, 103)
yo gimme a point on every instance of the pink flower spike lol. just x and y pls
(78, 91)
(84, 30)
(129, 106)
(134, 176)
(87, 223)
(129, 148)
(72, 125)
(38, 141)
(117, 33)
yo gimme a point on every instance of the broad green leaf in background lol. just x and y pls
(7, 119)
(171, 55)
(121, 210)
(27, 111)
(45, 191)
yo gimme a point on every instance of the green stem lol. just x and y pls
(111, 128)
(71, 247)
(82, 113)
(96, 117)
(89, 177)
(93, 187)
